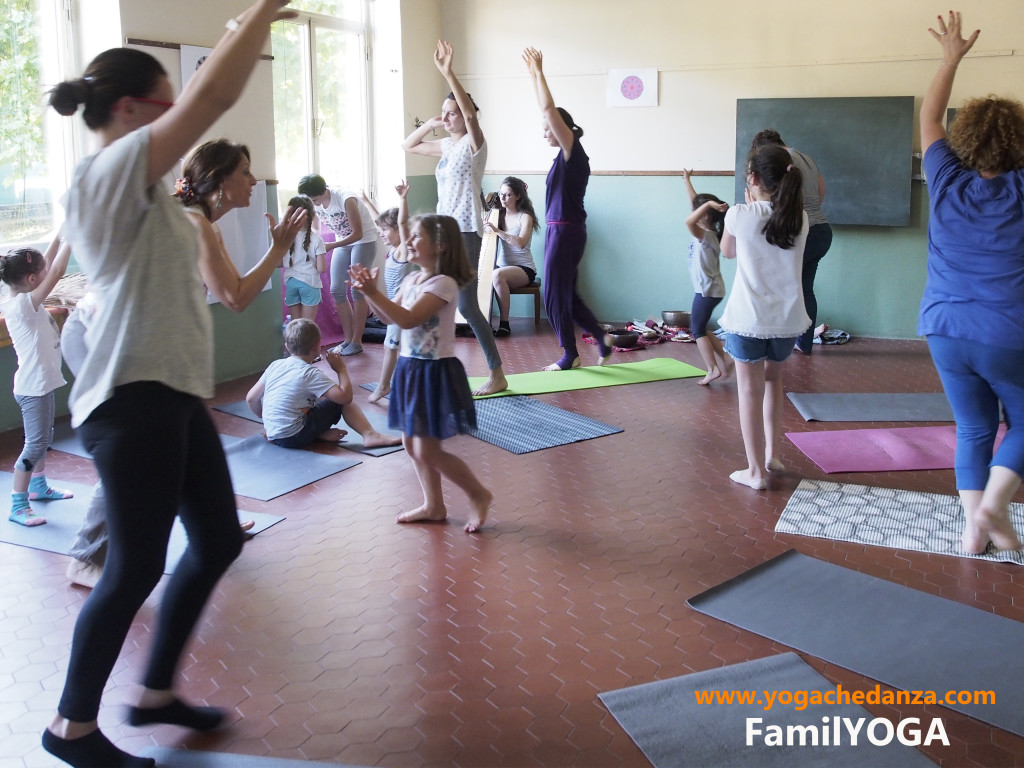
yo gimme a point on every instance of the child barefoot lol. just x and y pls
(705, 223)
(30, 277)
(765, 313)
(430, 398)
(299, 403)
(393, 226)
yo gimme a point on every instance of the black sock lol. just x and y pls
(178, 713)
(92, 751)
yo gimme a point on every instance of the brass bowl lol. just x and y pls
(620, 337)
(676, 318)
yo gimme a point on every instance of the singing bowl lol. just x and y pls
(623, 338)
(676, 318)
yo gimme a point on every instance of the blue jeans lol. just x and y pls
(977, 378)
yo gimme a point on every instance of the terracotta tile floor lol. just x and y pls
(342, 637)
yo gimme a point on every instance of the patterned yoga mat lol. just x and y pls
(884, 517)
(522, 424)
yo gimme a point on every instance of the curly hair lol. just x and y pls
(988, 134)
(523, 202)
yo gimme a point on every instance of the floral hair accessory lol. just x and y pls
(182, 187)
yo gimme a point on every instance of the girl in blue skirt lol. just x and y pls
(430, 398)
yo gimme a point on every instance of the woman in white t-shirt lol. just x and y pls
(138, 401)
(355, 242)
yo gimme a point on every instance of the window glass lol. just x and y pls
(342, 9)
(32, 163)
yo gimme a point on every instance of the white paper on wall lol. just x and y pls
(637, 87)
(192, 57)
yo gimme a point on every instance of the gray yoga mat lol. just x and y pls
(885, 517)
(65, 439)
(521, 424)
(64, 518)
(664, 719)
(850, 406)
(184, 758)
(899, 636)
(352, 442)
(264, 471)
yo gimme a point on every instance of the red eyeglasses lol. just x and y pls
(156, 102)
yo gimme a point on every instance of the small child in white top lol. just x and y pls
(430, 397)
(393, 226)
(30, 277)
(303, 264)
(765, 313)
(299, 403)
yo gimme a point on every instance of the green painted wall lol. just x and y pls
(869, 284)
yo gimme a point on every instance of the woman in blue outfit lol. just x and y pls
(566, 229)
(973, 306)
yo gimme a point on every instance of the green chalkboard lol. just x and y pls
(863, 147)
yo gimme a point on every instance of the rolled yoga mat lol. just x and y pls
(592, 377)
(852, 406)
(64, 518)
(672, 729)
(885, 517)
(899, 636)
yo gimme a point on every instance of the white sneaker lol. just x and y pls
(83, 574)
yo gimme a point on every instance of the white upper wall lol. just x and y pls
(709, 55)
(201, 23)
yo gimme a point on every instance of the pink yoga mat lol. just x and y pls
(880, 450)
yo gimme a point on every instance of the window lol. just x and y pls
(36, 155)
(321, 95)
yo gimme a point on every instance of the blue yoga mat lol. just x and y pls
(264, 471)
(64, 518)
(353, 441)
(65, 439)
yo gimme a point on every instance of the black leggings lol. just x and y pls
(158, 456)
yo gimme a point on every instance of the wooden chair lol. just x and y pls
(533, 289)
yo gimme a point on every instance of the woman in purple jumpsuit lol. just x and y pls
(566, 226)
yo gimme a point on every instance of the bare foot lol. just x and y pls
(247, 525)
(747, 478)
(712, 374)
(604, 359)
(332, 435)
(377, 440)
(480, 505)
(974, 541)
(496, 382)
(423, 515)
(997, 526)
(379, 394)
(556, 367)
(774, 466)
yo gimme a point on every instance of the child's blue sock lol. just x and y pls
(39, 488)
(18, 500)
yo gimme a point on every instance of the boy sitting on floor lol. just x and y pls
(299, 403)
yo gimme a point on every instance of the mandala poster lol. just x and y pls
(633, 87)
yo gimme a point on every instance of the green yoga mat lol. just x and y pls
(592, 377)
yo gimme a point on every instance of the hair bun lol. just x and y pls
(66, 96)
(183, 191)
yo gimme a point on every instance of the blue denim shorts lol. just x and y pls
(745, 349)
(297, 292)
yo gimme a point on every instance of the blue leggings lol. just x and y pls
(977, 377)
(700, 313)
